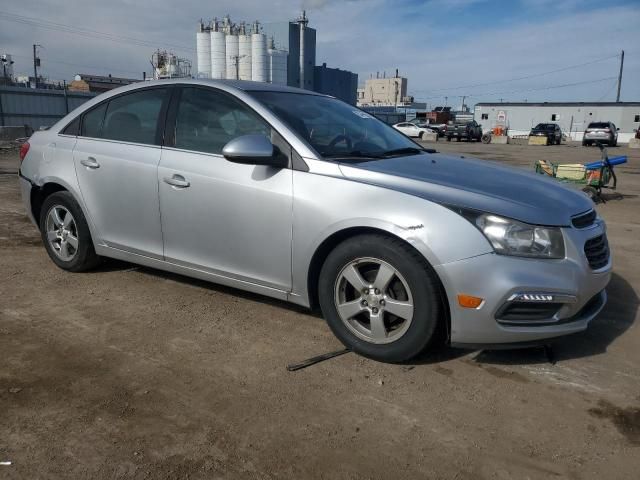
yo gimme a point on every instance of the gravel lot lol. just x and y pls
(129, 372)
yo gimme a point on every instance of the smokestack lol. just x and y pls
(302, 22)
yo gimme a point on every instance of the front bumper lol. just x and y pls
(497, 278)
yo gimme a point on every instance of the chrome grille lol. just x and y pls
(597, 251)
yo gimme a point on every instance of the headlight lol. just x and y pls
(510, 237)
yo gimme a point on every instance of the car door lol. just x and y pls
(116, 159)
(229, 219)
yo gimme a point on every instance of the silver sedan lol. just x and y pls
(301, 197)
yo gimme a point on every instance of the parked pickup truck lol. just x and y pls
(468, 130)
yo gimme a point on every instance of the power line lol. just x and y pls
(85, 32)
(535, 75)
(549, 87)
(107, 69)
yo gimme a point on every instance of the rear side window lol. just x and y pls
(73, 128)
(207, 120)
(92, 122)
(134, 117)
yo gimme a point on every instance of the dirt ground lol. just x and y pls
(129, 372)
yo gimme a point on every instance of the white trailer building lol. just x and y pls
(573, 117)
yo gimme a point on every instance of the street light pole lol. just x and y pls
(620, 76)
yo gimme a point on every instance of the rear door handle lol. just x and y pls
(90, 162)
(177, 181)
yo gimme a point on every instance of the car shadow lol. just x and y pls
(112, 265)
(615, 319)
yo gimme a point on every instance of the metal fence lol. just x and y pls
(37, 108)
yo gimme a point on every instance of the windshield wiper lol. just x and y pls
(354, 154)
(401, 151)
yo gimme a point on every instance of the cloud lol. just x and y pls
(437, 44)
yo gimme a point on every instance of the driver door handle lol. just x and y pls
(90, 162)
(177, 181)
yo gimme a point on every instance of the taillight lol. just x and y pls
(24, 149)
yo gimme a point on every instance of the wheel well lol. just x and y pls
(334, 240)
(38, 195)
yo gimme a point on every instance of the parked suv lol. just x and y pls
(299, 196)
(466, 130)
(551, 131)
(604, 132)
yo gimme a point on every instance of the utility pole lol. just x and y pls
(620, 75)
(463, 97)
(36, 64)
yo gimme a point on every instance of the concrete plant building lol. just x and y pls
(383, 91)
(573, 117)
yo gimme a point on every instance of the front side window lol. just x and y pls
(333, 128)
(134, 117)
(207, 120)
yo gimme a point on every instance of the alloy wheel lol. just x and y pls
(373, 300)
(62, 233)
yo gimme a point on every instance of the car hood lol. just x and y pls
(475, 184)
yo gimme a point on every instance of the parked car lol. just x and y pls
(551, 131)
(412, 130)
(466, 130)
(603, 132)
(231, 182)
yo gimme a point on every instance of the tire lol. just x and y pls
(54, 222)
(420, 135)
(413, 282)
(448, 139)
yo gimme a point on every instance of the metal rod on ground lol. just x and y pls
(313, 360)
(620, 75)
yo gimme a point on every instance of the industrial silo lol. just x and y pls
(233, 52)
(244, 50)
(203, 51)
(258, 55)
(277, 65)
(218, 52)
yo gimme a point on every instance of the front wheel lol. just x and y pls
(380, 298)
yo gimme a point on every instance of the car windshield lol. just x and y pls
(545, 126)
(336, 129)
(598, 125)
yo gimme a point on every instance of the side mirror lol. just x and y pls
(254, 150)
(618, 129)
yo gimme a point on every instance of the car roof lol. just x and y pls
(244, 85)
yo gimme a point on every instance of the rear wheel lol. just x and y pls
(380, 298)
(448, 139)
(420, 135)
(65, 233)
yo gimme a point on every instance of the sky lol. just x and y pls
(485, 50)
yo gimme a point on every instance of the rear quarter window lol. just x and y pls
(92, 122)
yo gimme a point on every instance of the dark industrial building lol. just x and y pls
(341, 84)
